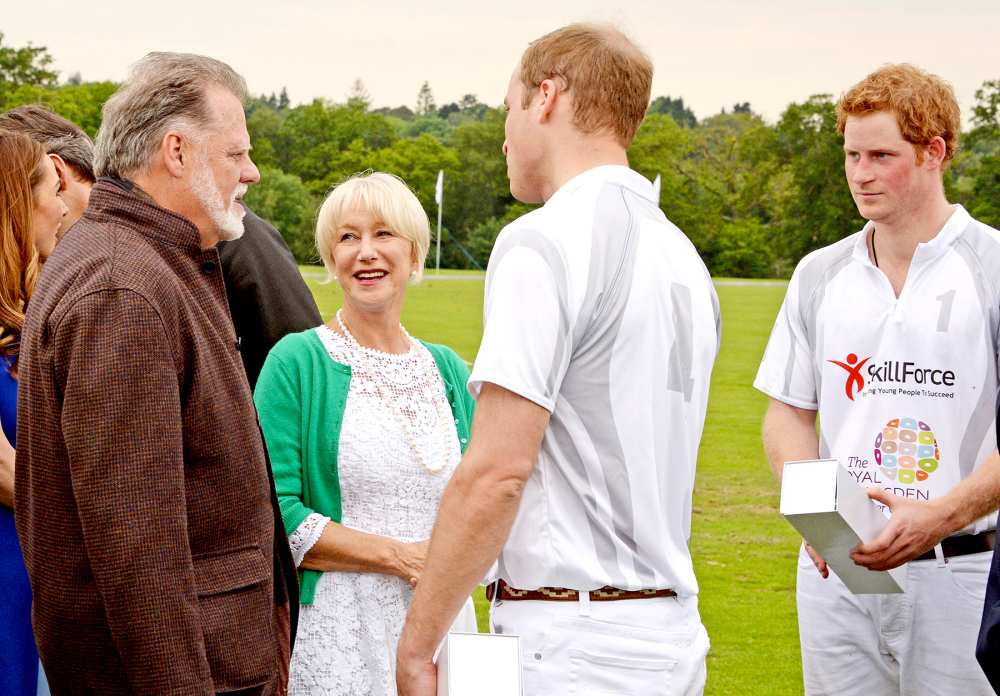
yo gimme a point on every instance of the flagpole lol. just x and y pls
(437, 265)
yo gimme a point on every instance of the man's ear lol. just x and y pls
(550, 91)
(62, 169)
(176, 151)
(935, 151)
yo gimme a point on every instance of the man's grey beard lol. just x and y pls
(229, 223)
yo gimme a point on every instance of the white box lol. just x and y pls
(834, 514)
(479, 664)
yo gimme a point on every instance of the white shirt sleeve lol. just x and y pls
(787, 372)
(306, 535)
(527, 330)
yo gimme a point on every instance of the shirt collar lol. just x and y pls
(608, 173)
(925, 251)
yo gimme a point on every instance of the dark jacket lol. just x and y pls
(267, 296)
(145, 505)
(988, 645)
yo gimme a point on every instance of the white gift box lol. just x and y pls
(834, 514)
(479, 664)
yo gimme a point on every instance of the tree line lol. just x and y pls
(753, 196)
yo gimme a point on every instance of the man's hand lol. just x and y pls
(914, 528)
(818, 561)
(415, 677)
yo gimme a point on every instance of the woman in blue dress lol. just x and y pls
(31, 211)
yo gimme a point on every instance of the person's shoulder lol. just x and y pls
(443, 354)
(606, 191)
(534, 222)
(254, 221)
(820, 265)
(295, 345)
(541, 231)
(842, 248)
(257, 231)
(90, 262)
(300, 358)
(979, 247)
(130, 257)
(257, 246)
(979, 232)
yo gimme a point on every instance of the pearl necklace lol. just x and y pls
(430, 376)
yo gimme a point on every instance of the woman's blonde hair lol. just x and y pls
(20, 170)
(388, 198)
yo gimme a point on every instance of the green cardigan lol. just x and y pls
(300, 397)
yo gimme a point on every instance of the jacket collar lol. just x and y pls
(122, 200)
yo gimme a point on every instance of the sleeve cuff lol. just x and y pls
(785, 398)
(476, 382)
(306, 535)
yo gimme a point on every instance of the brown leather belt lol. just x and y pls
(563, 594)
(963, 545)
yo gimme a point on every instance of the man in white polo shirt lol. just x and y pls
(601, 328)
(891, 336)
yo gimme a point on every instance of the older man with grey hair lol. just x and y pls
(267, 296)
(146, 508)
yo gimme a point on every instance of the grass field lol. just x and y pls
(744, 553)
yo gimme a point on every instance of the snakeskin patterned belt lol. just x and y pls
(562, 594)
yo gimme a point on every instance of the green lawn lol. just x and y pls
(744, 552)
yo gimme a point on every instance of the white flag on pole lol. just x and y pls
(656, 189)
(438, 191)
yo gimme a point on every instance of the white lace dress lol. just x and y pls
(346, 641)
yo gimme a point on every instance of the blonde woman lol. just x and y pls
(364, 426)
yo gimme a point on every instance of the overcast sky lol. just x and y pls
(711, 53)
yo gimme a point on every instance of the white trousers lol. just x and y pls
(640, 647)
(919, 643)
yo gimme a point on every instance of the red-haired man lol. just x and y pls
(891, 337)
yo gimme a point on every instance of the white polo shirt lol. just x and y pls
(600, 310)
(905, 388)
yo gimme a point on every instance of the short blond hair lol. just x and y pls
(387, 197)
(924, 105)
(608, 76)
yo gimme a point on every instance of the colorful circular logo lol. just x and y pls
(907, 451)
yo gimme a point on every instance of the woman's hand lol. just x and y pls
(341, 548)
(409, 562)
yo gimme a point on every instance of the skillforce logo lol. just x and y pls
(904, 373)
(855, 382)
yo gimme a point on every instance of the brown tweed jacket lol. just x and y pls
(142, 486)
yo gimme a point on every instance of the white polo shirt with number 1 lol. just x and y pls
(905, 387)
